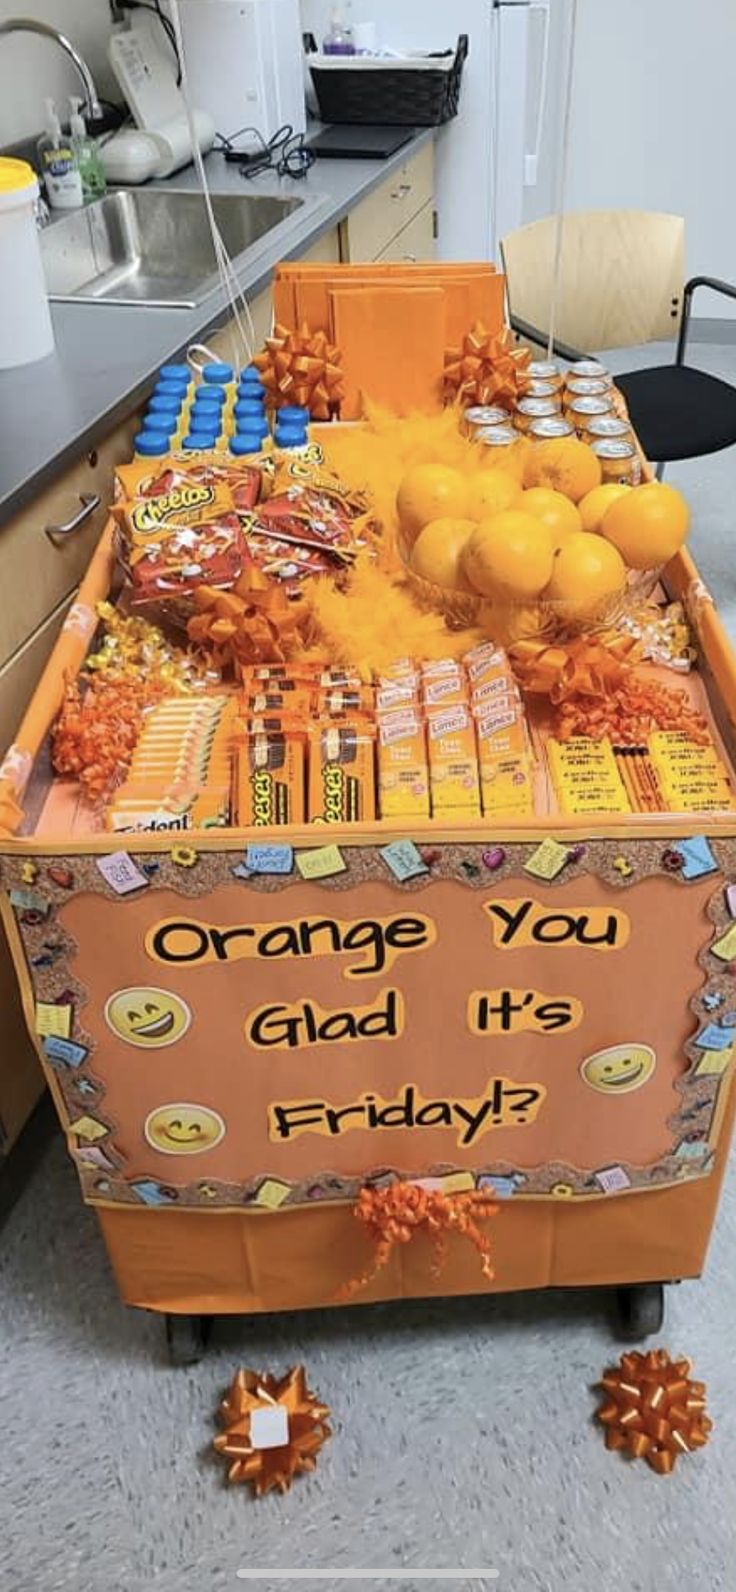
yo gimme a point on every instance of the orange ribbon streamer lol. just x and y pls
(580, 667)
(487, 368)
(254, 623)
(302, 368)
(396, 1214)
(653, 1410)
(266, 1469)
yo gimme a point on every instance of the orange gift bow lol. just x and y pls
(302, 368)
(394, 1215)
(254, 623)
(653, 1410)
(576, 668)
(268, 1468)
(486, 369)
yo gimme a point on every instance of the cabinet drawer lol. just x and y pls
(415, 241)
(21, 674)
(372, 225)
(35, 573)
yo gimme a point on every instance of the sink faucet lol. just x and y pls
(92, 107)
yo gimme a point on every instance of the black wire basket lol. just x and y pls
(373, 90)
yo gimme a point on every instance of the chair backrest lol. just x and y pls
(621, 276)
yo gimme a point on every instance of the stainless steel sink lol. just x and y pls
(153, 246)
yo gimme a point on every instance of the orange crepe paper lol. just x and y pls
(268, 1469)
(486, 369)
(395, 1215)
(653, 1410)
(303, 368)
(254, 623)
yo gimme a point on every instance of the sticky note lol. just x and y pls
(404, 859)
(121, 873)
(269, 859)
(65, 1051)
(730, 893)
(612, 1179)
(548, 860)
(697, 856)
(152, 1193)
(269, 1426)
(713, 1063)
(272, 1194)
(30, 901)
(725, 948)
(88, 1128)
(92, 1155)
(715, 1037)
(322, 863)
(691, 1150)
(502, 1187)
(53, 1021)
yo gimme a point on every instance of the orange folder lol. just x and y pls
(392, 341)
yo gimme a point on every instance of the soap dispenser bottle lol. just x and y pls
(86, 154)
(62, 180)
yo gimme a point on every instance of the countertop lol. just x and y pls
(106, 355)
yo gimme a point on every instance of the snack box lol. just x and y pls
(403, 769)
(453, 762)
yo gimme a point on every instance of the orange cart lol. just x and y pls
(238, 1042)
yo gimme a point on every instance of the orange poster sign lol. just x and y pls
(273, 1041)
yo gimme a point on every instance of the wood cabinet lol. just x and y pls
(372, 228)
(416, 241)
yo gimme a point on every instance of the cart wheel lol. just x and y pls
(640, 1310)
(186, 1338)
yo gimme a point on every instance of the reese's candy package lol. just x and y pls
(341, 772)
(269, 779)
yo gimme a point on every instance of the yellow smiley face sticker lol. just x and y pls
(183, 1129)
(147, 1018)
(619, 1069)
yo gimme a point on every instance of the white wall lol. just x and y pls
(32, 68)
(653, 120)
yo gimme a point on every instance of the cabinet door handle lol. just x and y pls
(57, 533)
(401, 192)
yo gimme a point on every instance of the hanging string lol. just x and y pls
(562, 172)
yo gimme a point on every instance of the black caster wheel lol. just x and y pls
(640, 1310)
(186, 1338)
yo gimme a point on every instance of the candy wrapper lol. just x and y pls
(182, 527)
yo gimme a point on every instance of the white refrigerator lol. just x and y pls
(496, 161)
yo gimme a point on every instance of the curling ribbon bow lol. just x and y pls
(302, 368)
(394, 1215)
(488, 368)
(254, 623)
(581, 667)
(305, 1428)
(653, 1410)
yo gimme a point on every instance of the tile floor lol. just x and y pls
(462, 1428)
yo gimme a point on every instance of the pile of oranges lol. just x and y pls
(544, 530)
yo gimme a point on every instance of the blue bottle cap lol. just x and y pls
(248, 388)
(252, 376)
(165, 405)
(152, 444)
(248, 406)
(292, 412)
(166, 424)
(210, 395)
(291, 437)
(204, 428)
(252, 423)
(245, 442)
(218, 372)
(175, 373)
(199, 441)
(171, 389)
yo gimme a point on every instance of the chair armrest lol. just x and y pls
(534, 335)
(716, 286)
